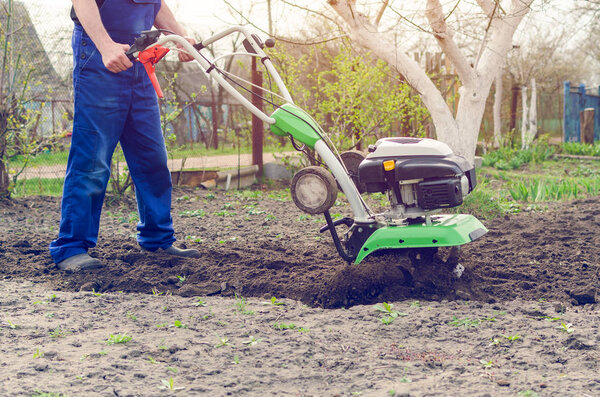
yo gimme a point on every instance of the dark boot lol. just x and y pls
(79, 262)
(174, 251)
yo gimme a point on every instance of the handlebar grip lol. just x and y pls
(130, 55)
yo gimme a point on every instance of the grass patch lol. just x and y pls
(581, 149)
(38, 186)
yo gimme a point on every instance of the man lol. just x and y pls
(114, 102)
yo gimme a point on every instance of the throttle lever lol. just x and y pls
(150, 57)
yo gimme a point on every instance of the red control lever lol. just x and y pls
(150, 57)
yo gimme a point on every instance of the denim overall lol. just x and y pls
(112, 108)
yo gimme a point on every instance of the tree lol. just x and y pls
(460, 132)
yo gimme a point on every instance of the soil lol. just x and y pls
(522, 318)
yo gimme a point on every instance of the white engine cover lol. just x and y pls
(409, 147)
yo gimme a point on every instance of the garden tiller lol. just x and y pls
(420, 176)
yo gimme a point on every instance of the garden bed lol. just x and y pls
(502, 328)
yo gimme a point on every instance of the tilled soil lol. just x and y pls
(537, 271)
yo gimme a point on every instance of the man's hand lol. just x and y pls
(184, 56)
(114, 58)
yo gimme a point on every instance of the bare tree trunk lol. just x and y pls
(533, 113)
(524, 118)
(4, 180)
(497, 109)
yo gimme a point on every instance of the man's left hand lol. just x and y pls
(184, 56)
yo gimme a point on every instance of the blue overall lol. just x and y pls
(111, 108)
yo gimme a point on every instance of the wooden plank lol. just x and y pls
(586, 120)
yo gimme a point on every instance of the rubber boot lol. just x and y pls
(79, 262)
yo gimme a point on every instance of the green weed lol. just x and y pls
(198, 213)
(179, 324)
(118, 339)
(567, 327)
(169, 384)
(241, 305)
(252, 341)
(58, 333)
(464, 322)
(223, 342)
(200, 302)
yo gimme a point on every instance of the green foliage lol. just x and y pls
(507, 158)
(355, 98)
(483, 202)
(541, 189)
(581, 149)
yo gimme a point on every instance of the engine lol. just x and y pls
(419, 175)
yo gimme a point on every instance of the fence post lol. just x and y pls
(566, 101)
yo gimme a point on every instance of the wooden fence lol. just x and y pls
(575, 101)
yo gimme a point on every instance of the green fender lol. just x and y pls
(291, 120)
(445, 231)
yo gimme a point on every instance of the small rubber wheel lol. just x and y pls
(314, 190)
(351, 160)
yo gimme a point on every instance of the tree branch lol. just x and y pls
(488, 7)
(501, 33)
(443, 35)
(380, 13)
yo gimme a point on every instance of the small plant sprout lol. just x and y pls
(169, 384)
(181, 279)
(282, 326)
(465, 322)
(494, 342)
(527, 393)
(236, 360)
(275, 302)
(179, 324)
(512, 338)
(415, 304)
(486, 364)
(118, 339)
(10, 324)
(38, 353)
(96, 293)
(388, 308)
(252, 341)
(223, 342)
(58, 333)
(131, 316)
(200, 302)
(172, 369)
(241, 305)
(156, 292)
(567, 327)
(51, 298)
(152, 360)
(391, 314)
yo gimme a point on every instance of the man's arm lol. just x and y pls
(113, 54)
(166, 20)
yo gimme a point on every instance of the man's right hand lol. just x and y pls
(114, 58)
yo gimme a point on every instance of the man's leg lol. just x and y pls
(144, 148)
(100, 110)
